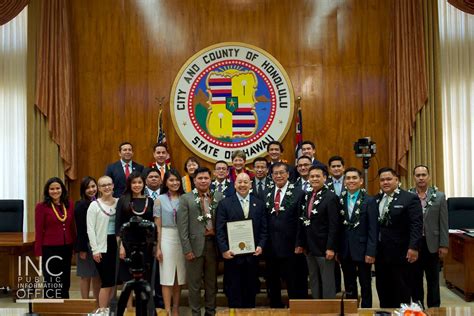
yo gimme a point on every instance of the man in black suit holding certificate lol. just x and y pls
(240, 271)
(401, 224)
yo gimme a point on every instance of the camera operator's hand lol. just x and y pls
(190, 256)
(97, 257)
(159, 255)
(122, 252)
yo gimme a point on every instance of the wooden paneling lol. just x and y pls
(127, 53)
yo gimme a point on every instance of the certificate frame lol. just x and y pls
(240, 237)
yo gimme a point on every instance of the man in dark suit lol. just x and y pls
(435, 240)
(283, 210)
(160, 153)
(318, 231)
(275, 150)
(240, 272)
(335, 180)
(121, 169)
(401, 225)
(303, 164)
(359, 237)
(221, 182)
(260, 182)
(308, 148)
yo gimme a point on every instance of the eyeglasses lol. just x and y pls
(106, 185)
(279, 173)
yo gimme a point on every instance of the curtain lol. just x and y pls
(464, 5)
(427, 142)
(13, 78)
(43, 157)
(407, 91)
(54, 86)
(457, 92)
(10, 9)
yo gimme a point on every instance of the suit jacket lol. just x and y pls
(404, 230)
(283, 226)
(360, 240)
(229, 188)
(80, 216)
(318, 163)
(323, 230)
(261, 195)
(299, 183)
(230, 210)
(330, 184)
(435, 220)
(115, 171)
(191, 231)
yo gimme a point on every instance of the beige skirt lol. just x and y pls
(173, 262)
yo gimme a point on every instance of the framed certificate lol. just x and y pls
(240, 237)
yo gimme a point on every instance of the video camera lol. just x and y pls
(139, 239)
(365, 148)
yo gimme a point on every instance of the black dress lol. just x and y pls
(123, 215)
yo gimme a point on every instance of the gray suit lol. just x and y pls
(191, 233)
(435, 236)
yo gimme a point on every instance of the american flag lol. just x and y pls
(299, 133)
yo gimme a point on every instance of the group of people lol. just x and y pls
(308, 221)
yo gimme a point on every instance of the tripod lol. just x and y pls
(142, 290)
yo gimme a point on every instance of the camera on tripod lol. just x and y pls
(139, 239)
(365, 148)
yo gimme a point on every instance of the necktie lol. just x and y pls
(350, 207)
(205, 205)
(260, 187)
(305, 186)
(277, 201)
(162, 172)
(219, 187)
(310, 205)
(245, 204)
(154, 195)
(127, 171)
(383, 203)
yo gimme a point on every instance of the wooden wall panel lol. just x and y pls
(127, 53)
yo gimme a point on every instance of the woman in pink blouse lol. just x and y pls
(54, 238)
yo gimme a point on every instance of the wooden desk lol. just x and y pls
(459, 264)
(13, 245)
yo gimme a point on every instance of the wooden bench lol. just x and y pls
(322, 307)
(70, 307)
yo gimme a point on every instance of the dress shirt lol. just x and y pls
(282, 191)
(126, 163)
(245, 203)
(337, 185)
(153, 194)
(386, 199)
(257, 184)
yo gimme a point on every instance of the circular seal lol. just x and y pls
(231, 96)
(242, 245)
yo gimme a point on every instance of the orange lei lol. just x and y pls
(61, 219)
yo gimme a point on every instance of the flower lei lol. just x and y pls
(205, 217)
(319, 196)
(384, 218)
(225, 185)
(355, 212)
(430, 200)
(64, 217)
(288, 199)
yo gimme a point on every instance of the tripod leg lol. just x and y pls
(122, 302)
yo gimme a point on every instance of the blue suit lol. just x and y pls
(240, 273)
(116, 172)
(359, 239)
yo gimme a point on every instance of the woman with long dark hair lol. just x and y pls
(190, 165)
(133, 202)
(54, 238)
(101, 231)
(86, 269)
(168, 250)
